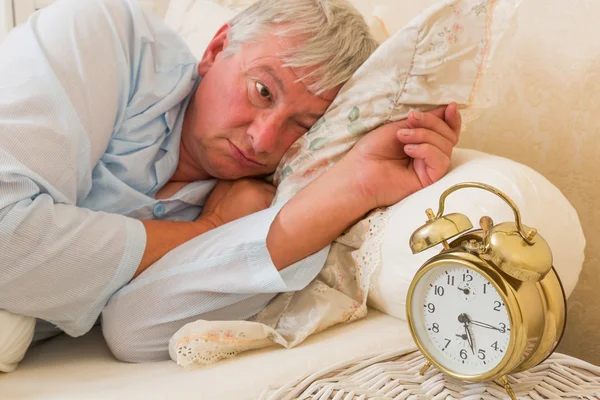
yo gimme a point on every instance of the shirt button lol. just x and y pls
(159, 209)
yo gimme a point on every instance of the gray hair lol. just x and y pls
(336, 37)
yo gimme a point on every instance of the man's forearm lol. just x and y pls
(164, 236)
(314, 218)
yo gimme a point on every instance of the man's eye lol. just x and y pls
(263, 91)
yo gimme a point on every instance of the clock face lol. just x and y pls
(460, 319)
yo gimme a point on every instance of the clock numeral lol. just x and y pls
(435, 328)
(431, 308)
(484, 288)
(439, 290)
(463, 354)
(447, 343)
(451, 280)
(467, 277)
(481, 354)
(497, 306)
(503, 327)
(494, 346)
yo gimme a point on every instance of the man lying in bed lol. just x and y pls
(112, 138)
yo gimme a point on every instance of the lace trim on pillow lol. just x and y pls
(368, 257)
(204, 351)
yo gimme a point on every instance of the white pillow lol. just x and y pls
(16, 333)
(541, 204)
(384, 17)
(197, 21)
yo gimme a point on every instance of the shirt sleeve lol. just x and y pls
(233, 258)
(224, 274)
(64, 78)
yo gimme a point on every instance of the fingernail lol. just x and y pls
(405, 132)
(418, 115)
(410, 147)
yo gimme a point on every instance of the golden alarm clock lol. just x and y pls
(490, 303)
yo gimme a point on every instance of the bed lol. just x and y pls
(83, 368)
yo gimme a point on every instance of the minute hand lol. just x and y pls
(484, 325)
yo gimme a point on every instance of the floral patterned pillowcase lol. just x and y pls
(436, 59)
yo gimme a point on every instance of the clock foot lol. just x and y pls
(507, 387)
(425, 368)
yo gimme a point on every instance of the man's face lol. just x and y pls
(248, 109)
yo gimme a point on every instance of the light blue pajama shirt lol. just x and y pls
(92, 98)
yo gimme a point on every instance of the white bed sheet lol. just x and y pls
(83, 368)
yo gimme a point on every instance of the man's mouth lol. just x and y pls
(241, 157)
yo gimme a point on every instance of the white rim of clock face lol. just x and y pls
(440, 300)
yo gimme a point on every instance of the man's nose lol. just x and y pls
(265, 132)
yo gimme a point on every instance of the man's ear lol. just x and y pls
(216, 45)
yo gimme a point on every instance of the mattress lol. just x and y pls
(83, 368)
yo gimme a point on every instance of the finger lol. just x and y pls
(439, 112)
(437, 163)
(269, 188)
(453, 118)
(432, 122)
(417, 136)
(413, 122)
(221, 188)
(222, 183)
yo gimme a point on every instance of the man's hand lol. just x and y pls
(382, 169)
(400, 158)
(231, 200)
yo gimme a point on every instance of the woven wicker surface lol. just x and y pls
(396, 376)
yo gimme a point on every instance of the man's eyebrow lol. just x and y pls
(271, 71)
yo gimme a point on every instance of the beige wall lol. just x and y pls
(545, 86)
(5, 18)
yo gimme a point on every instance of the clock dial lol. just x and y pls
(461, 319)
